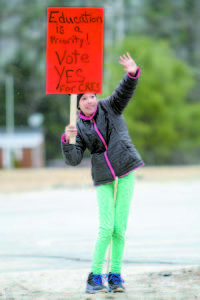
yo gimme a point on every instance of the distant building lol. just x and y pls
(24, 148)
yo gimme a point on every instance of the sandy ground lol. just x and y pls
(29, 179)
(170, 283)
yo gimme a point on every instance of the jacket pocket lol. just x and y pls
(120, 156)
(100, 168)
(132, 151)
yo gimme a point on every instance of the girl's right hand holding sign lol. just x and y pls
(70, 131)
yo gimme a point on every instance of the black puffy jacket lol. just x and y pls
(106, 136)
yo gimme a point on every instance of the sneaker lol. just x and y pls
(95, 284)
(115, 283)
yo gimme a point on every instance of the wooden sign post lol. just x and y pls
(74, 54)
(73, 108)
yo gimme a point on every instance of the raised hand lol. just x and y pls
(128, 63)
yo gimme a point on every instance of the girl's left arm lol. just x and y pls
(125, 89)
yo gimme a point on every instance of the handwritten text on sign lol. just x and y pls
(74, 54)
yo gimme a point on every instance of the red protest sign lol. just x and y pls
(74, 53)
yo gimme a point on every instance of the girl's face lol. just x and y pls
(88, 104)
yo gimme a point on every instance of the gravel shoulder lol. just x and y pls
(31, 179)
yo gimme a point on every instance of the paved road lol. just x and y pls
(56, 229)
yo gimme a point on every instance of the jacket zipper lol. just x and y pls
(105, 153)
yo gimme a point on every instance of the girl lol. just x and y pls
(101, 128)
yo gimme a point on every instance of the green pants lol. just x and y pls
(112, 222)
